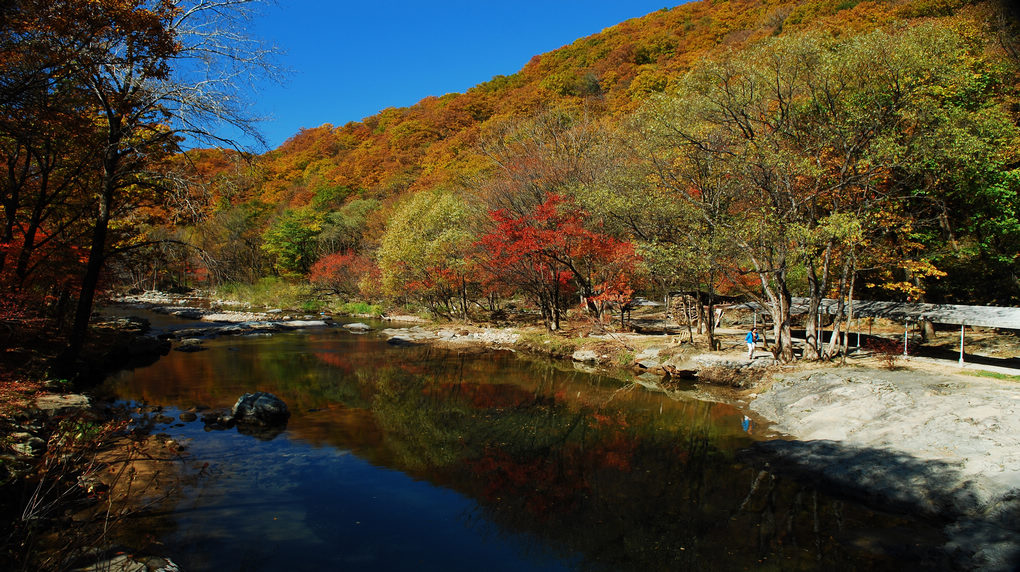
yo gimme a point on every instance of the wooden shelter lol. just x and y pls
(1005, 317)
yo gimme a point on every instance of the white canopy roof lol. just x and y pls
(986, 316)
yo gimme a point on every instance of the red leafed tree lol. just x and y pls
(343, 273)
(550, 254)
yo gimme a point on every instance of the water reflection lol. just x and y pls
(417, 458)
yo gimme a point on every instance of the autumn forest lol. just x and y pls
(760, 149)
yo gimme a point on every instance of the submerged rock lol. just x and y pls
(189, 345)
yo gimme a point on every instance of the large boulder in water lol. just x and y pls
(261, 409)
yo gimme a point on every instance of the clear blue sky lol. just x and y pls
(348, 60)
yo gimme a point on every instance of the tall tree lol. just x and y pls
(146, 74)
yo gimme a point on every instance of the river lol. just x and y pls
(418, 458)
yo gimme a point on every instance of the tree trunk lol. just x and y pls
(712, 344)
(700, 312)
(850, 311)
(97, 250)
(30, 233)
(837, 322)
(556, 302)
(90, 282)
(11, 199)
(782, 330)
(546, 313)
(816, 292)
(690, 325)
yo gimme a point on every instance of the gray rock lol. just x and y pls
(400, 341)
(305, 324)
(126, 563)
(648, 363)
(710, 360)
(188, 313)
(60, 404)
(924, 442)
(648, 354)
(120, 563)
(585, 356)
(260, 408)
(27, 445)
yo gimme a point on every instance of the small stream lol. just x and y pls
(416, 458)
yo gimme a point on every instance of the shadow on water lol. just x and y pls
(983, 536)
(425, 459)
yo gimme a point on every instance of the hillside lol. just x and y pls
(335, 188)
(434, 142)
(761, 149)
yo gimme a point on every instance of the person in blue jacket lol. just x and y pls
(751, 339)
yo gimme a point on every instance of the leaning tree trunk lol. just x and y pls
(90, 282)
(97, 250)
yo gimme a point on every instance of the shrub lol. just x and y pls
(885, 350)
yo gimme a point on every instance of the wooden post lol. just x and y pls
(963, 328)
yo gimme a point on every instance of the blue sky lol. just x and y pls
(349, 60)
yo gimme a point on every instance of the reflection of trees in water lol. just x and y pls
(629, 488)
(625, 478)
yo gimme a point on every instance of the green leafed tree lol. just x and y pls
(797, 148)
(292, 240)
(425, 252)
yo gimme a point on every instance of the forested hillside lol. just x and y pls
(761, 148)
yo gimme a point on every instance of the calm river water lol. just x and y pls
(411, 458)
